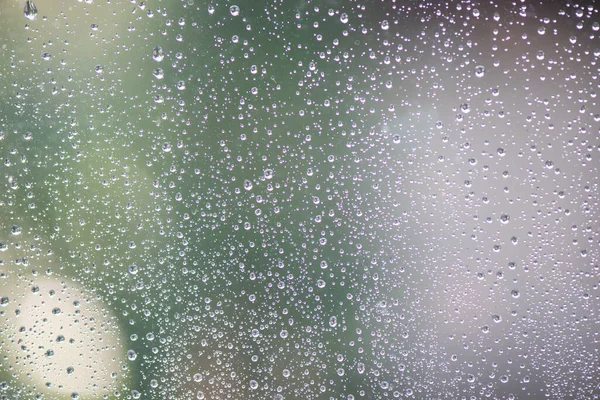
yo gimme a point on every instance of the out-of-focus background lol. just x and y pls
(299, 200)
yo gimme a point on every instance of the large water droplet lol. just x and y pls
(30, 10)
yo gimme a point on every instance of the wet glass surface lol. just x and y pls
(299, 200)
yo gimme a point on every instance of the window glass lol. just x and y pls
(299, 199)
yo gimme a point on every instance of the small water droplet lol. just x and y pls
(158, 54)
(540, 55)
(333, 321)
(234, 10)
(131, 355)
(479, 71)
(158, 73)
(360, 367)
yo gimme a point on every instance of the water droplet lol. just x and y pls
(234, 10)
(268, 173)
(515, 293)
(253, 385)
(30, 10)
(479, 71)
(540, 55)
(385, 25)
(16, 230)
(158, 54)
(360, 367)
(158, 73)
(344, 18)
(248, 184)
(333, 321)
(131, 355)
(396, 139)
(99, 69)
(3, 301)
